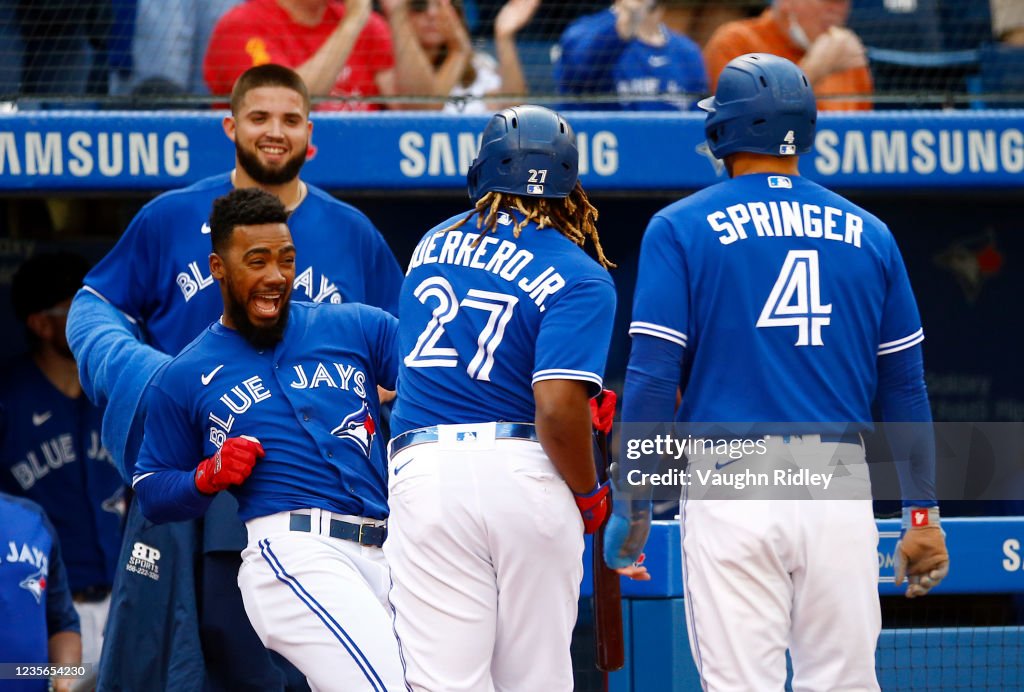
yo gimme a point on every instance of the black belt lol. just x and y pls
(502, 431)
(90, 594)
(363, 534)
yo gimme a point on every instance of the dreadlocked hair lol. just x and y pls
(574, 217)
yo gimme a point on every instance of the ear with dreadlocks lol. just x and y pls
(529, 163)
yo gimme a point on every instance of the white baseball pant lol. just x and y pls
(764, 576)
(485, 546)
(321, 602)
(93, 617)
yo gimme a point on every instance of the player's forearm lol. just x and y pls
(652, 379)
(564, 427)
(903, 401)
(320, 72)
(65, 648)
(170, 495)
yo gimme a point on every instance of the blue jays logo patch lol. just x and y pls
(359, 427)
(35, 584)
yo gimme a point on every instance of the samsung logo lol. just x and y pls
(921, 152)
(82, 154)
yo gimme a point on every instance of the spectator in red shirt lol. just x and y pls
(339, 48)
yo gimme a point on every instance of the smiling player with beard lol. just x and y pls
(314, 500)
(156, 280)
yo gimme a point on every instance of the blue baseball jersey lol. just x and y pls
(594, 60)
(481, 322)
(311, 401)
(35, 602)
(783, 294)
(159, 271)
(51, 454)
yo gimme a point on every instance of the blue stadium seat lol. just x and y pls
(908, 25)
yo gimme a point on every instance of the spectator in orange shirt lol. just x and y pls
(338, 48)
(807, 32)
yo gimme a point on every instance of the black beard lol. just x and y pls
(259, 337)
(250, 163)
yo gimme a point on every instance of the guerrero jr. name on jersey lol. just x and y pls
(500, 257)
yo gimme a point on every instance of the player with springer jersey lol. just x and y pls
(312, 493)
(504, 330)
(158, 278)
(790, 309)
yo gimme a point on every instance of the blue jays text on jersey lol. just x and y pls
(595, 60)
(483, 318)
(158, 272)
(322, 377)
(33, 585)
(771, 275)
(51, 454)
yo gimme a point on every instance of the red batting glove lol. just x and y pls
(231, 465)
(602, 410)
(594, 507)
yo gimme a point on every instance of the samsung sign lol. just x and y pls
(52, 151)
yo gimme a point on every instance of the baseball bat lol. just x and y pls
(608, 637)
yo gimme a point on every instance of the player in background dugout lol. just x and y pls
(50, 449)
(338, 48)
(810, 33)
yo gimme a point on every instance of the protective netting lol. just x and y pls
(477, 54)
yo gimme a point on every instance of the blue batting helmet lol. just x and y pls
(528, 151)
(764, 104)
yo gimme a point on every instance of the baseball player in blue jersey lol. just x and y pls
(156, 281)
(281, 402)
(34, 594)
(50, 450)
(504, 329)
(786, 307)
(626, 51)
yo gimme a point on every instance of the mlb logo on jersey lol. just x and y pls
(534, 189)
(359, 427)
(504, 218)
(779, 181)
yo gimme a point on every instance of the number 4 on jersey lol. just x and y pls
(795, 300)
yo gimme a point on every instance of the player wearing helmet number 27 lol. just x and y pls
(504, 326)
(790, 308)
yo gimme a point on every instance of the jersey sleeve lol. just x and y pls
(381, 330)
(171, 450)
(662, 274)
(124, 277)
(901, 322)
(575, 334)
(61, 615)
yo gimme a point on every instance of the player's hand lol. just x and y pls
(602, 410)
(593, 507)
(921, 556)
(836, 50)
(626, 532)
(231, 465)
